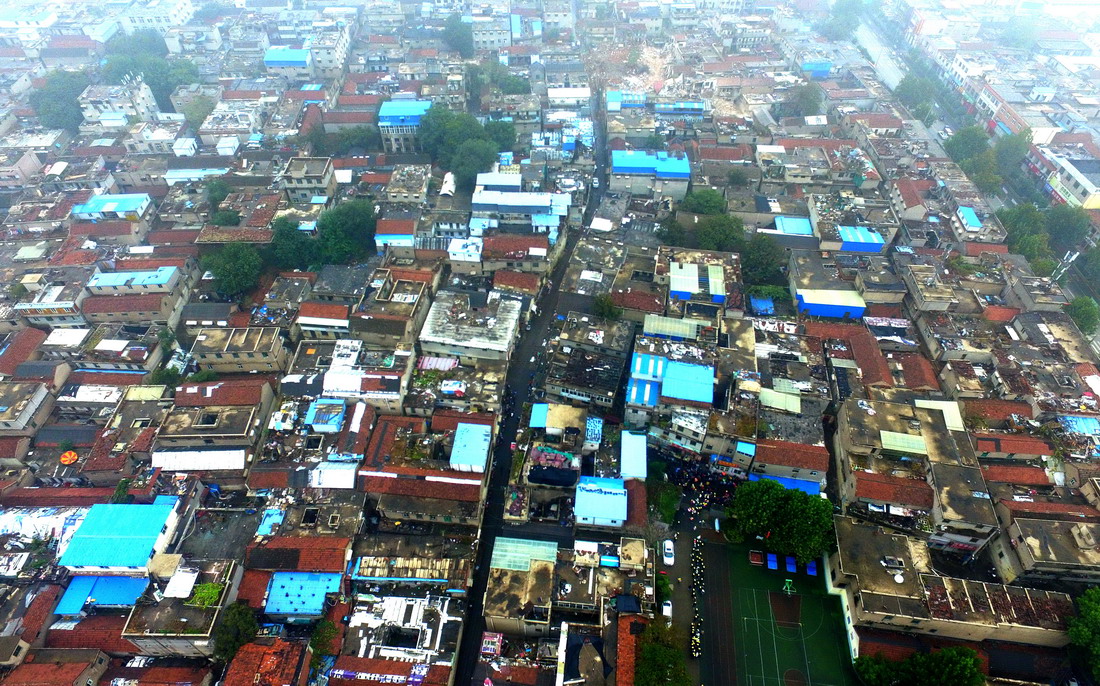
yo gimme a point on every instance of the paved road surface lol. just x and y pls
(888, 69)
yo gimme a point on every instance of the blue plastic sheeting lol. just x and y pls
(633, 452)
(600, 501)
(746, 448)
(593, 430)
(609, 561)
(647, 367)
(539, 412)
(287, 57)
(829, 310)
(100, 591)
(471, 446)
(810, 487)
(970, 218)
(116, 203)
(685, 381)
(860, 239)
(299, 593)
(326, 415)
(118, 535)
(1086, 426)
(271, 519)
(156, 277)
(794, 226)
(642, 392)
(660, 164)
(762, 305)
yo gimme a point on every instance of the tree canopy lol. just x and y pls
(1067, 226)
(471, 158)
(442, 131)
(761, 261)
(790, 522)
(966, 143)
(604, 306)
(1084, 313)
(704, 201)
(290, 248)
(57, 101)
(1084, 629)
(502, 133)
(346, 232)
(160, 74)
(956, 665)
(660, 660)
(197, 110)
(803, 101)
(458, 35)
(238, 627)
(217, 190)
(843, 20)
(236, 268)
(140, 42)
(720, 232)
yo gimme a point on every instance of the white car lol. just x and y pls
(668, 553)
(666, 609)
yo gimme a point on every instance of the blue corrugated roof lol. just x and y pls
(156, 277)
(660, 164)
(650, 367)
(811, 487)
(633, 453)
(685, 381)
(118, 535)
(539, 412)
(600, 498)
(970, 218)
(642, 392)
(287, 57)
(471, 445)
(299, 593)
(113, 202)
(404, 108)
(101, 591)
(794, 226)
(859, 234)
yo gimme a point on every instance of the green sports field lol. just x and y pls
(779, 639)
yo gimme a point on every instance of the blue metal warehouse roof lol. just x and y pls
(399, 112)
(101, 591)
(633, 452)
(642, 392)
(660, 164)
(299, 593)
(539, 412)
(810, 487)
(118, 535)
(471, 446)
(600, 498)
(686, 381)
(157, 277)
(113, 202)
(287, 57)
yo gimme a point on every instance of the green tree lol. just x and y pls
(720, 232)
(1033, 246)
(458, 35)
(322, 641)
(346, 232)
(166, 337)
(1084, 629)
(366, 137)
(804, 100)
(604, 306)
(226, 218)
(217, 190)
(914, 90)
(196, 111)
(442, 131)
(203, 376)
(166, 376)
(514, 85)
(843, 20)
(704, 201)
(502, 133)
(660, 660)
(142, 42)
(966, 143)
(1085, 314)
(57, 104)
(954, 665)
(121, 496)
(238, 627)
(737, 177)
(1021, 220)
(1089, 264)
(161, 75)
(1067, 226)
(470, 159)
(982, 171)
(791, 522)
(762, 261)
(671, 232)
(1011, 150)
(291, 248)
(654, 141)
(236, 268)
(1020, 32)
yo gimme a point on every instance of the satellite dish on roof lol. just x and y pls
(899, 578)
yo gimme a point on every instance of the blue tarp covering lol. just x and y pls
(746, 448)
(299, 593)
(326, 415)
(101, 591)
(272, 518)
(641, 392)
(860, 239)
(660, 164)
(1086, 426)
(118, 535)
(970, 218)
(794, 226)
(685, 381)
(539, 411)
(811, 487)
(601, 500)
(762, 305)
(471, 446)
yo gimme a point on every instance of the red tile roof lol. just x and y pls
(894, 490)
(353, 117)
(973, 249)
(237, 392)
(268, 478)
(1000, 313)
(56, 497)
(1011, 474)
(323, 310)
(637, 504)
(142, 263)
(253, 588)
(278, 663)
(872, 365)
(918, 372)
(172, 237)
(506, 278)
(1012, 444)
(376, 177)
(419, 488)
(101, 229)
(1039, 507)
(21, 346)
(798, 455)
(448, 420)
(627, 648)
(638, 300)
(995, 409)
(512, 245)
(438, 675)
(395, 227)
(40, 610)
(45, 674)
(102, 632)
(106, 378)
(877, 120)
(725, 153)
(315, 553)
(912, 191)
(108, 304)
(157, 676)
(351, 100)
